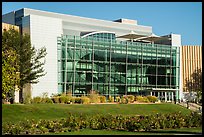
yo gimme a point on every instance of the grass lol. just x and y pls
(115, 132)
(18, 112)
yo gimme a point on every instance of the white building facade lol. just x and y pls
(44, 28)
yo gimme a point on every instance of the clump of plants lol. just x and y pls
(102, 99)
(142, 99)
(117, 99)
(94, 96)
(152, 98)
(124, 100)
(55, 99)
(85, 100)
(62, 99)
(77, 100)
(130, 98)
(43, 99)
(111, 99)
(108, 121)
(36, 100)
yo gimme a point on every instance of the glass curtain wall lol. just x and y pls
(112, 67)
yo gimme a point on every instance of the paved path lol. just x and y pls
(192, 106)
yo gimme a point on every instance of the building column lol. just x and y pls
(172, 96)
(165, 96)
(151, 93)
(168, 96)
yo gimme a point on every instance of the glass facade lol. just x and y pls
(100, 62)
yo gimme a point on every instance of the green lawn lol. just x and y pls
(18, 112)
(114, 132)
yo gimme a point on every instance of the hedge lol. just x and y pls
(98, 122)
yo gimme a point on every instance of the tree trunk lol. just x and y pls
(21, 95)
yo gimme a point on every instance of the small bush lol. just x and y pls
(145, 99)
(47, 100)
(73, 100)
(62, 99)
(117, 99)
(77, 100)
(131, 98)
(68, 99)
(94, 96)
(123, 100)
(85, 100)
(111, 99)
(138, 98)
(142, 99)
(37, 100)
(102, 99)
(152, 98)
(55, 99)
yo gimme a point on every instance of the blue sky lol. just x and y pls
(183, 18)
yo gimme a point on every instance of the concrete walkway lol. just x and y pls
(192, 106)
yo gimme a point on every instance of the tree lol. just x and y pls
(30, 60)
(194, 84)
(10, 69)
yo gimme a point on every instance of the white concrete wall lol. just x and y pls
(44, 32)
(176, 41)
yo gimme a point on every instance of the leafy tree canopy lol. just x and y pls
(194, 84)
(29, 59)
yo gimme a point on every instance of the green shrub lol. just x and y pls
(62, 99)
(194, 120)
(55, 99)
(77, 100)
(134, 124)
(111, 99)
(123, 100)
(138, 98)
(94, 96)
(36, 100)
(142, 99)
(145, 99)
(47, 100)
(152, 98)
(130, 98)
(102, 99)
(73, 100)
(85, 100)
(117, 99)
(108, 121)
(68, 99)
